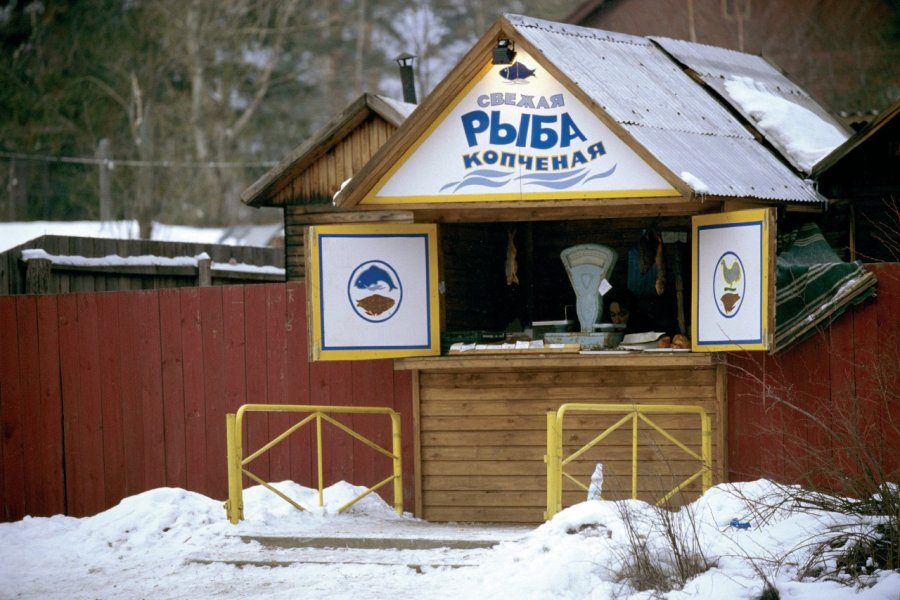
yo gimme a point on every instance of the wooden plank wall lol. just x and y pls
(12, 269)
(107, 395)
(483, 435)
(798, 415)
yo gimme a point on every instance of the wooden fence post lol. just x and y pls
(204, 272)
(37, 276)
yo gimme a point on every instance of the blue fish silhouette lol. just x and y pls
(374, 278)
(516, 71)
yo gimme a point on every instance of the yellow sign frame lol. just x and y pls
(762, 219)
(315, 319)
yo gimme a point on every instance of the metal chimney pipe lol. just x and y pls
(407, 78)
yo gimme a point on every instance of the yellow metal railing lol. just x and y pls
(234, 506)
(634, 413)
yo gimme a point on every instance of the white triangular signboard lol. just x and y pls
(517, 133)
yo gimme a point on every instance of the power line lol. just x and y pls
(111, 163)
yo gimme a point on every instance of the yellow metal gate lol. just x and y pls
(634, 413)
(237, 464)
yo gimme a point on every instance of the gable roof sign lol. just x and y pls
(263, 191)
(669, 134)
(516, 133)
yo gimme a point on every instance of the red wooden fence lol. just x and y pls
(820, 401)
(105, 395)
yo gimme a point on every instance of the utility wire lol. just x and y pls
(112, 163)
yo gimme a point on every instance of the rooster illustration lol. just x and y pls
(731, 274)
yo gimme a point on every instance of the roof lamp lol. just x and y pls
(503, 53)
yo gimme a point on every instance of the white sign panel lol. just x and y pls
(731, 291)
(373, 291)
(516, 134)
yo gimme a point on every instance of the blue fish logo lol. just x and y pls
(516, 71)
(374, 278)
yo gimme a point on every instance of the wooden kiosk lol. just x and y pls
(547, 136)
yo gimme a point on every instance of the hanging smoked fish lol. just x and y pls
(512, 267)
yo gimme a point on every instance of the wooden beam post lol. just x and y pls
(204, 272)
(37, 276)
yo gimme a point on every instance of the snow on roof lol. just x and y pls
(16, 233)
(805, 136)
(798, 127)
(404, 108)
(677, 120)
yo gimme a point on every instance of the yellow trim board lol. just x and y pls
(537, 196)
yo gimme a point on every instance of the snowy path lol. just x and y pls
(417, 545)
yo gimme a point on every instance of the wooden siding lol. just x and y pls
(107, 395)
(317, 183)
(323, 177)
(483, 430)
(13, 271)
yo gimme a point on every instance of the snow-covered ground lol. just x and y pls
(165, 544)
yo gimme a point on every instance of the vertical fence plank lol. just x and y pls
(173, 380)
(132, 418)
(813, 375)
(872, 398)
(256, 424)
(373, 385)
(79, 358)
(233, 315)
(276, 379)
(194, 395)
(51, 497)
(745, 415)
(214, 389)
(298, 380)
(12, 458)
(330, 385)
(147, 356)
(843, 386)
(889, 357)
(112, 397)
(29, 373)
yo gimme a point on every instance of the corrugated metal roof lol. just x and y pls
(728, 166)
(716, 66)
(672, 116)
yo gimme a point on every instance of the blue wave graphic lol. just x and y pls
(553, 176)
(603, 174)
(484, 177)
(488, 173)
(556, 181)
(560, 184)
(494, 183)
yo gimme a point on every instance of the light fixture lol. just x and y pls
(503, 53)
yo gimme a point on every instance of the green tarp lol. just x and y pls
(813, 286)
